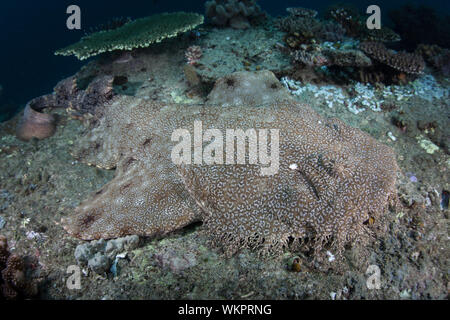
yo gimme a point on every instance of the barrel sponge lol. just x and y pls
(139, 33)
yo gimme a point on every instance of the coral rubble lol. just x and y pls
(139, 33)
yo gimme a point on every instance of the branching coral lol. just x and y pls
(402, 61)
(437, 57)
(310, 58)
(330, 31)
(233, 13)
(301, 24)
(347, 18)
(139, 33)
(193, 54)
(302, 27)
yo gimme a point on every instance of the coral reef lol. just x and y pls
(437, 57)
(330, 31)
(301, 26)
(348, 18)
(193, 54)
(402, 61)
(256, 47)
(302, 12)
(79, 103)
(331, 180)
(14, 282)
(346, 58)
(233, 13)
(383, 35)
(139, 33)
(355, 26)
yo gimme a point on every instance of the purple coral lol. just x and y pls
(193, 54)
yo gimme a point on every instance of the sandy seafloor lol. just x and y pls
(40, 183)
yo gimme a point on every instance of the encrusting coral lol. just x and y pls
(139, 33)
(233, 13)
(331, 178)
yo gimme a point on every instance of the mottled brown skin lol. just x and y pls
(342, 176)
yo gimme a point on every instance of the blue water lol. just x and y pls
(30, 31)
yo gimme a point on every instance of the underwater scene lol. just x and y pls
(224, 150)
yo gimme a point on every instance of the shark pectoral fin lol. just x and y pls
(138, 200)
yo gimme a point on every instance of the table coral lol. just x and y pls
(332, 178)
(139, 33)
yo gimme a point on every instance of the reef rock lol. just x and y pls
(325, 182)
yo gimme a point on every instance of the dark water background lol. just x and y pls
(31, 30)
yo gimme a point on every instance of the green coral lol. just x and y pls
(139, 33)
